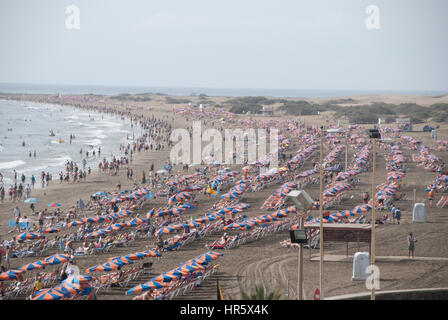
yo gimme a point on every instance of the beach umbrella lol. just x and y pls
(122, 260)
(329, 193)
(49, 294)
(197, 264)
(32, 200)
(101, 193)
(135, 256)
(33, 266)
(183, 195)
(228, 196)
(54, 204)
(98, 268)
(184, 271)
(10, 274)
(174, 273)
(164, 278)
(155, 285)
(196, 187)
(79, 279)
(29, 235)
(150, 213)
(207, 257)
(177, 210)
(108, 266)
(50, 230)
(191, 224)
(138, 289)
(164, 230)
(145, 287)
(306, 173)
(124, 213)
(97, 233)
(75, 223)
(114, 227)
(345, 213)
(291, 209)
(225, 210)
(192, 266)
(68, 289)
(135, 222)
(97, 219)
(57, 259)
(268, 217)
(187, 206)
(216, 253)
(163, 212)
(151, 253)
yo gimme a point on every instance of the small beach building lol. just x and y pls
(268, 111)
(404, 124)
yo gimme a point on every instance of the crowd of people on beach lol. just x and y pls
(95, 227)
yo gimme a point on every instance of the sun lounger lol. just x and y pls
(443, 202)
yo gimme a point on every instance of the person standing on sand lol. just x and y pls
(33, 180)
(143, 177)
(411, 245)
(27, 191)
(2, 194)
(8, 256)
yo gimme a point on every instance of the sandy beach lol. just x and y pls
(264, 261)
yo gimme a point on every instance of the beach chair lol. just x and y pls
(105, 248)
(443, 202)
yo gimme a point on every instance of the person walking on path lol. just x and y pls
(431, 194)
(411, 244)
(365, 197)
(398, 215)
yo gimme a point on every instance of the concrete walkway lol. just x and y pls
(409, 294)
(344, 258)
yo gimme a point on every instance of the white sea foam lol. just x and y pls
(7, 181)
(59, 161)
(11, 164)
(110, 124)
(94, 142)
(97, 134)
(34, 169)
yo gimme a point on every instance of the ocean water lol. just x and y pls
(31, 123)
(186, 91)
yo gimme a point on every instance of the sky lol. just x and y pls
(281, 44)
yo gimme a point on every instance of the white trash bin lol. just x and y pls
(361, 260)
(419, 213)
